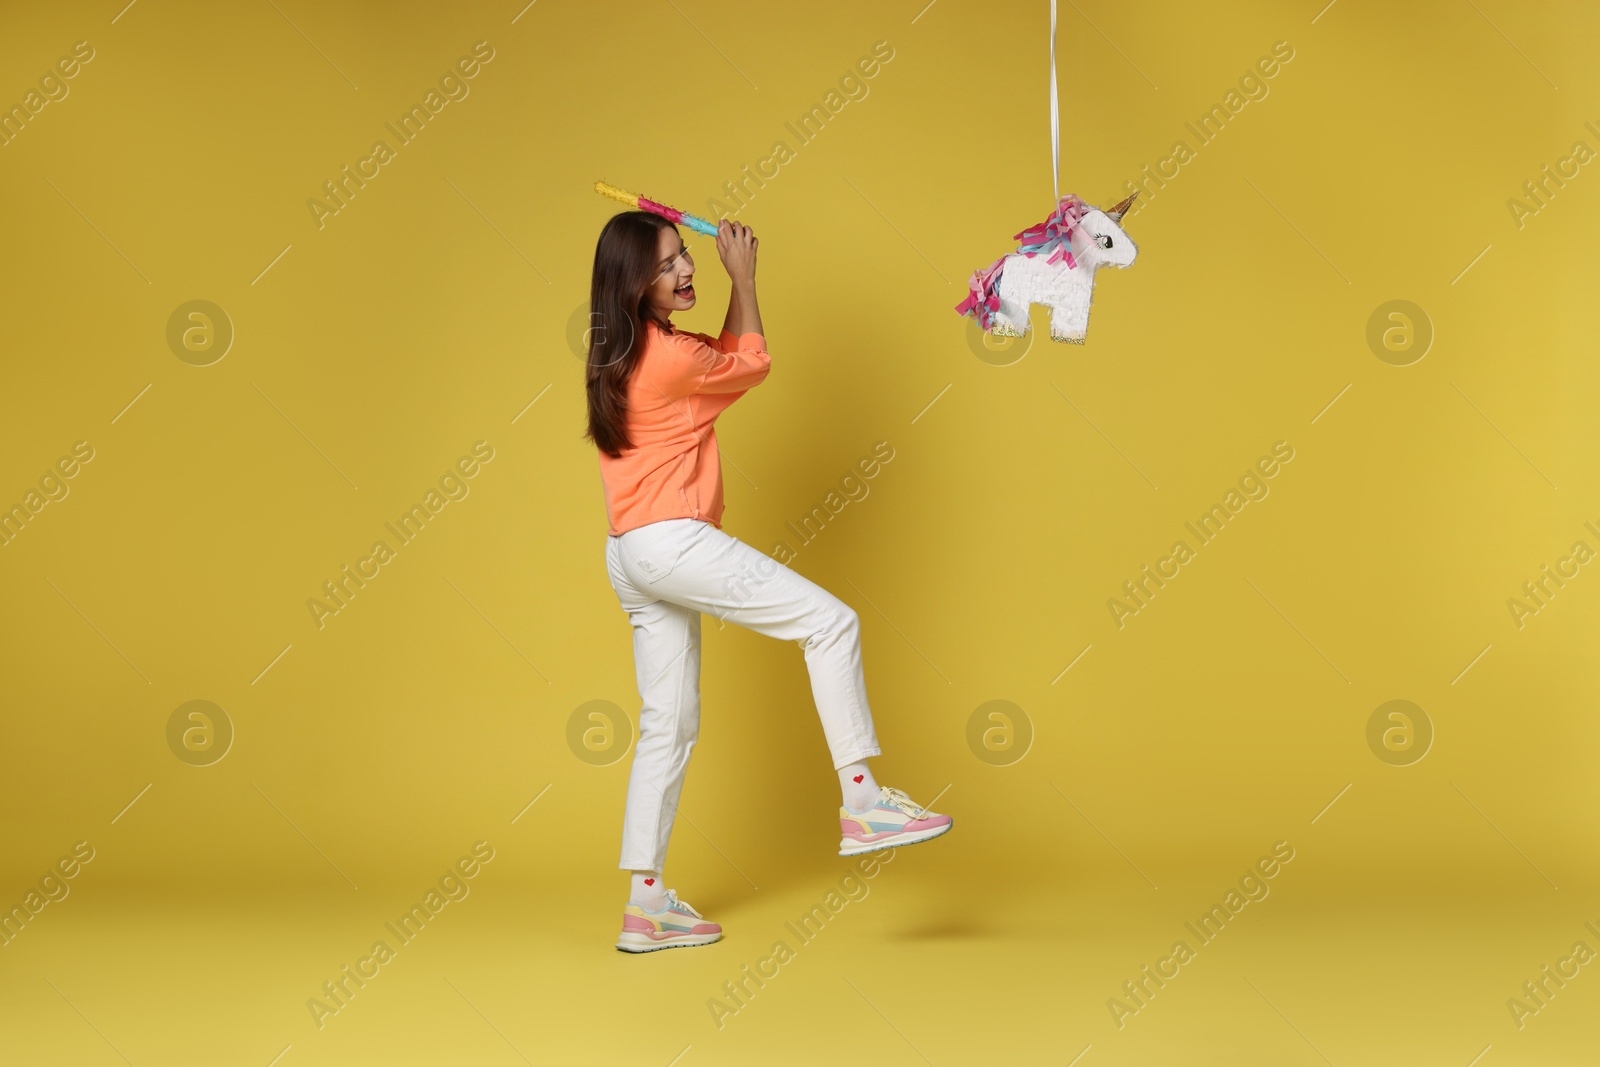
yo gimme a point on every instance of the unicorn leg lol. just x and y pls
(1010, 319)
(1068, 323)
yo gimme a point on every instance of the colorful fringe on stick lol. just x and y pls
(634, 200)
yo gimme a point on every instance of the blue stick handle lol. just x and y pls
(699, 225)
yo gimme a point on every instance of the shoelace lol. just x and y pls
(899, 799)
(674, 902)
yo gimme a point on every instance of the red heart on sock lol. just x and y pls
(649, 881)
(858, 778)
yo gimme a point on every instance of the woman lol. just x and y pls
(654, 394)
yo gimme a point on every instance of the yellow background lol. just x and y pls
(427, 314)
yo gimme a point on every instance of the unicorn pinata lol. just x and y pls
(1053, 265)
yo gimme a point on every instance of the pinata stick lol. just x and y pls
(634, 200)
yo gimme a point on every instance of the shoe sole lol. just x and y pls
(917, 838)
(633, 942)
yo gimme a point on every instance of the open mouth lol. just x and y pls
(685, 293)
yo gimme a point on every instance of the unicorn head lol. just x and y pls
(1098, 240)
(1081, 236)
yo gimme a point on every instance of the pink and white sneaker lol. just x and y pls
(676, 925)
(893, 821)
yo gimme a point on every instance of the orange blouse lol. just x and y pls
(679, 386)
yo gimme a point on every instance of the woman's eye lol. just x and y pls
(672, 263)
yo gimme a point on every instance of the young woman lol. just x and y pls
(654, 394)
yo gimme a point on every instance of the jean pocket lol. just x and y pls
(652, 557)
(653, 572)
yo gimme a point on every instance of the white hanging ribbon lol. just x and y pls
(1055, 117)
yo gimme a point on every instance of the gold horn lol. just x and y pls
(1116, 213)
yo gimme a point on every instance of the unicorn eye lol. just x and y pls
(1103, 240)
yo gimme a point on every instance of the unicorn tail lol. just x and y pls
(983, 296)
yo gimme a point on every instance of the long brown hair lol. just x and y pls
(624, 267)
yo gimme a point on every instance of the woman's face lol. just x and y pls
(673, 289)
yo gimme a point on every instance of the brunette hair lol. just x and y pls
(624, 267)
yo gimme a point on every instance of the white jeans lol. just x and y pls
(665, 574)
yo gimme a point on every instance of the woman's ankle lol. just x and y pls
(645, 889)
(857, 786)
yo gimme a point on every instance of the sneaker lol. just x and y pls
(893, 821)
(676, 925)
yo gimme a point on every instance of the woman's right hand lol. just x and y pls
(737, 247)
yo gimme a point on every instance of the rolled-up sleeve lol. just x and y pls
(726, 364)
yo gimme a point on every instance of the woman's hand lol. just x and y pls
(737, 247)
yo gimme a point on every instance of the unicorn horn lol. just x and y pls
(1116, 213)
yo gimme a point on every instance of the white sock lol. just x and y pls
(858, 786)
(651, 896)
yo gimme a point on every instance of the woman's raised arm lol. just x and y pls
(737, 247)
